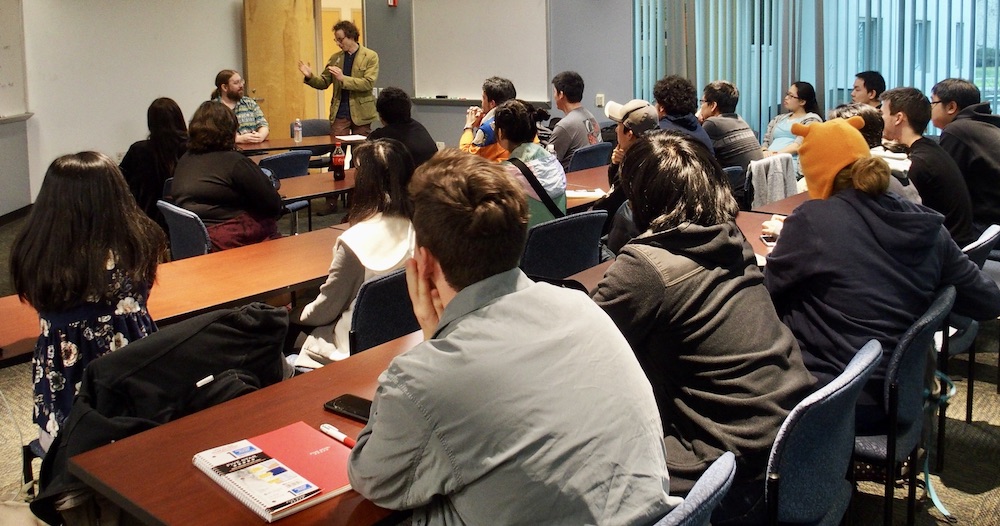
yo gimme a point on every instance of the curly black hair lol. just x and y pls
(676, 95)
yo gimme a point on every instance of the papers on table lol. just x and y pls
(351, 137)
(579, 194)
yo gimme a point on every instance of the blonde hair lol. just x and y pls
(868, 174)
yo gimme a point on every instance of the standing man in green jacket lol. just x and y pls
(352, 72)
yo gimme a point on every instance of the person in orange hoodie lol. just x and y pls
(479, 136)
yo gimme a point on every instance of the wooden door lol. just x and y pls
(276, 35)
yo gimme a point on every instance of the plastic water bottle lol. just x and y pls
(297, 130)
(337, 163)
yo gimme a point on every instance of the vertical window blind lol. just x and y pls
(764, 45)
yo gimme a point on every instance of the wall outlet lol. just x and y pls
(600, 100)
(440, 145)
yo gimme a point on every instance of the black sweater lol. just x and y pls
(219, 186)
(973, 141)
(942, 188)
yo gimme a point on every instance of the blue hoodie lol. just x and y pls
(855, 267)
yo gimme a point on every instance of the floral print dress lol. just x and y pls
(71, 339)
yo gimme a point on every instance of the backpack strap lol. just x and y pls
(537, 186)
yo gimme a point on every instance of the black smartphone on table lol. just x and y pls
(769, 240)
(351, 406)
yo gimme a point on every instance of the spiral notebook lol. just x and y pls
(280, 472)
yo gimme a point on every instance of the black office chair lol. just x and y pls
(564, 246)
(188, 235)
(291, 164)
(737, 185)
(382, 312)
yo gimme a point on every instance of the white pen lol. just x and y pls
(338, 435)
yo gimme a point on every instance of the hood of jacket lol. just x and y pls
(979, 112)
(905, 229)
(710, 246)
(687, 121)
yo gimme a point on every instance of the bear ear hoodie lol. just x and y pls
(855, 267)
(972, 140)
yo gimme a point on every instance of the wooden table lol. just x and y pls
(150, 475)
(126, 472)
(750, 224)
(196, 285)
(589, 179)
(592, 276)
(315, 185)
(784, 206)
(287, 143)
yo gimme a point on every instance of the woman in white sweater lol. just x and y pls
(379, 241)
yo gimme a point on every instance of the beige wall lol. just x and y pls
(93, 67)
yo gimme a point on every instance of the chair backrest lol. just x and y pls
(813, 448)
(590, 156)
(382, 312)
(168, 186)
(979, 250)
(737, 184)
(907, 365)
(770, 179)
(287, 164)
(188, 235)
(564, 246)
(696, 510)
(311, 127)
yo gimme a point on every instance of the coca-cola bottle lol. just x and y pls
(337, 163)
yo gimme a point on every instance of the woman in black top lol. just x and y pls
(228, 191)
(150, 162)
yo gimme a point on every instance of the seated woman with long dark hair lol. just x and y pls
(150, 162)
(379, 241)
(690, 300)
(231, 195)
(85, 260)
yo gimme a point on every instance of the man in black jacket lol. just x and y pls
(394, 107)
(971, 135)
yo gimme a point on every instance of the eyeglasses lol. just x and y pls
(790, 96)
(702, 101)
(933, 102)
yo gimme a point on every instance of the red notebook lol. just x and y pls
(280, 472)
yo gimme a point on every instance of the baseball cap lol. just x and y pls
(637, 115)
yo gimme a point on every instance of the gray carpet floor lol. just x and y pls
(969, 486)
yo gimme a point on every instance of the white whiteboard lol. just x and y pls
(13, 95)
(457, 44)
